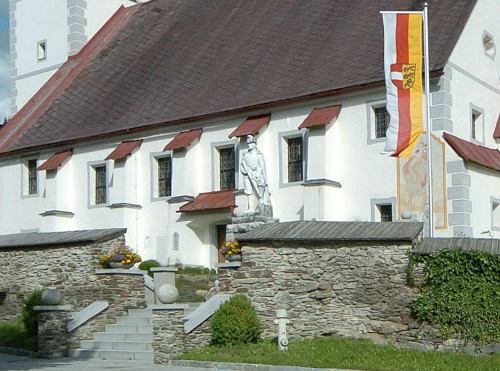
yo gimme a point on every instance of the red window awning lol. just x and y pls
(211, 201)
(321, 116)
(468, 151)
(183, 139)
(124, 149)
(55, 160)
(496, 133)
(251, 126)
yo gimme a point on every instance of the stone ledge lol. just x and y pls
(164, 269)
(241, 366)
(174, 306)
(228, 265)
(52, 308)
(321, 182)
(120, 271)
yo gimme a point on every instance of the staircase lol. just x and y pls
(130, 338)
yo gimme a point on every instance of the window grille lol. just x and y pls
(385, 213)
(100, 185)
(164, 176)
(227, 168)
(295, 166)
(32, 177)
(382, 119)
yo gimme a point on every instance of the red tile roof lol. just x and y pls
(475, 153)
(169, 62)
(321, 116)
(124, 149)
(183, 139)
(251, 126)
(55, 160)
(211, 201)
(496, 133)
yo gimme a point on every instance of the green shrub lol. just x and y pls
(461, 294)
(28, 315)
(235, 322)
(196, 271)
(14, 335)
(146, 265)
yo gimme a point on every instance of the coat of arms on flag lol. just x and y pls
(403, 76)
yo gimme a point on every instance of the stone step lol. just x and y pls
(132, 320)
(123, 336)
(117, 345)
(129, 328)
(146, 355)
(138, 312)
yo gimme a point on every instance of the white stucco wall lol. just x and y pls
(340, 153)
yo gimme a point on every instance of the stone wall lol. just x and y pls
(71, 269)
(351, 290)
(169, 338)
(348, 289)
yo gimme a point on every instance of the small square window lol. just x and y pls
(385, 211)
(295, 160)
(32, 177)
(41, 50)
(382, 120)
(164, 176)
(101, 189)
(227, 166)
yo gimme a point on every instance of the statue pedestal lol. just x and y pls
(242, 224)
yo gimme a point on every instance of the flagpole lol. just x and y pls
(428, 118)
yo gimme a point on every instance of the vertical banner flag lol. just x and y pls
(403, 80)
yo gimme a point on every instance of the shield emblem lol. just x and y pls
(403, 74)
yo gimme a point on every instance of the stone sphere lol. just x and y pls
(167, 294)
(51, 296)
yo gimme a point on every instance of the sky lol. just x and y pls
(4, 61)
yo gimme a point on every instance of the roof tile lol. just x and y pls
(487, 157)
(321, 116)
(55, 160)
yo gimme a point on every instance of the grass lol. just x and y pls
(345, 353)
(14, 335)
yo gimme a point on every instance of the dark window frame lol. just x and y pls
(385, 211)
(164, 168)
(100, 185)
(227, 168)
(382, 121)
(31, 166)
(295, 159)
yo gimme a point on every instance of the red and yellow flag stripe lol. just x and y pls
(403, 73)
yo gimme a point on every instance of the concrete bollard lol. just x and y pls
(282, 321)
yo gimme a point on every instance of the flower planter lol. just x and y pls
(233, 257)
(120, 265)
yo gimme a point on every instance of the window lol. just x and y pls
(385, 212)
(101, 196)
(164, 176)
(32, 177)
(381, 121)
(227, 166)
(489, 45)
(477, 124)
(495, 214)
(295, 158)
(41, 50)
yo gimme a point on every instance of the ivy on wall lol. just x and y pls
(460, 293)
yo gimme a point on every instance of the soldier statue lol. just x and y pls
(253, 169)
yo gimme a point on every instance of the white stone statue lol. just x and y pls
(253, 169)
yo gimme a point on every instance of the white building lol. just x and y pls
(141, 121)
